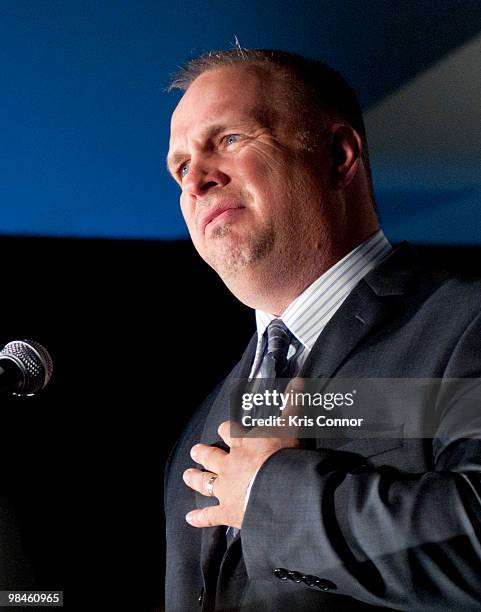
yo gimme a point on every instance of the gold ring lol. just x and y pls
(210, 485)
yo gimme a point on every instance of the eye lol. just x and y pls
(231, 138)
(183, 169)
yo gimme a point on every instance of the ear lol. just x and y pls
(346, 149)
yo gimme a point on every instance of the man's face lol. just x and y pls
(251, 195)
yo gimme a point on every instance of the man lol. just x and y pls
(270, 152)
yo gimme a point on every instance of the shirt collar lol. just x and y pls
(309, 313)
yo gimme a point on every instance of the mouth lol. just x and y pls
(221, 213)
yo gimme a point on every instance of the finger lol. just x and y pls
(205, 517)
(198, 480)
(231, 432)
(210, 457)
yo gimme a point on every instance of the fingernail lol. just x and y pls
(189, 518)
(193, 452)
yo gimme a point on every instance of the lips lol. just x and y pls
(214, 211)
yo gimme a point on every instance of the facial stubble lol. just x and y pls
(233, 254)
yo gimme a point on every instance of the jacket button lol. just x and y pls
(281, 573)
(310, 580)
(200, 599)
(325, 585)
(295, 576)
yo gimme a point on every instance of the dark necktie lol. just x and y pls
(275, 363)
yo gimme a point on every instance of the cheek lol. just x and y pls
(260, 161)
(186, 209)
(260, 181)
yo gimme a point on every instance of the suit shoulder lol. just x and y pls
(457, 292)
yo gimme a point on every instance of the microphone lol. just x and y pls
(25, 367)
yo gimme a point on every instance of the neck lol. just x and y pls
(272, 288)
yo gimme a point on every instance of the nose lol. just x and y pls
(202, 177)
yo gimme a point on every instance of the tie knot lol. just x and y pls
(278, 342)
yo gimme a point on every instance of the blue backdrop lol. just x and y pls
(84, 118)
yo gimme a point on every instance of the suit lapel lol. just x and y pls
(213, 541)
(362, 313)
(219, 411)
(375, 299)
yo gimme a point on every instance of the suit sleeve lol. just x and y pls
(408, 541)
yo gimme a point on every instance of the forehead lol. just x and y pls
(232, 91)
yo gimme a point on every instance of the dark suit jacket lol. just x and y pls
(380, 523)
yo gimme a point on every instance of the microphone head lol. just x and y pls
(34, 363)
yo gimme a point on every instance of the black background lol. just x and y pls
(139, 332)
